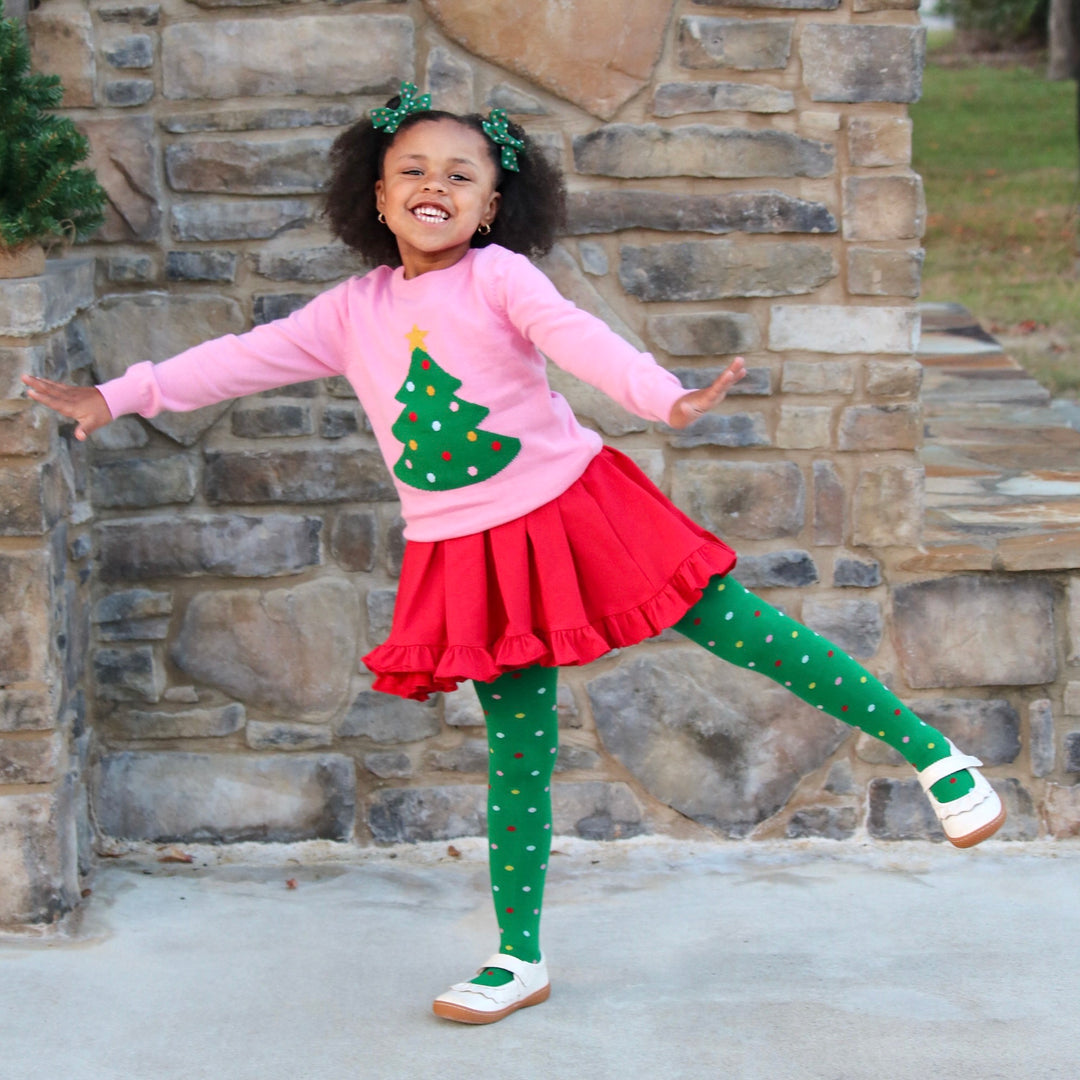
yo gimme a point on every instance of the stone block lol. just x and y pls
(594, 259)
(129, 269)
(205, 723)
(1072, 699)
(856, 573)
(176, 797)
(25, 604)
(334, 262)
(130, 51)
(879, 141)
(893, 378)
(136, 14)
(353, 539)
(855, 625)
(133, 674)
(26, 710)
(884, 207)
(16, 361)
(470, 757)
(677, 99)
(336, 423)
(514, 100)
(62, 43)
(316, 55)
(829, 377)
(739, 211)
(756, 383)
(831, 328)
(128, 93)
(389, 764)
(228, 545)
(463, 710)
(862, 63)
(282, 735)
(124, 156)
(876, 272)
(288, 651)
(25, 430)
(949, 632)
(31, 498)
(1072, 752)
(829, 505)
(125, 329)
(841, 779)
(880, 427)
(411, 815)
(823, 822)
(648, 150)
(259, 119)
(1062, 810)
(297, 166)
(723, 429)
(748, 500)
(134, 630)
(1073, 620)
(804, 427)
(568, 49)
(240, 219)
(786, 5)
(708, 333)
(137, 483)
(385, 718)
(713, 741)
(989, 729)
(270, 306)
(296, 476)
(278, 420)
(861, 6)
(889, 506)
(38, 858)
(744, 44)
(875, 751)
(35, 305)
(595, 810)
(716, 269)
(450, 80)
(217, 266)
(380, 613)
(777, 569)
(30, 761)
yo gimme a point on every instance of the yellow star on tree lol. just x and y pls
(415, 337)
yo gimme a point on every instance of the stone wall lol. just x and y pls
(740, 181)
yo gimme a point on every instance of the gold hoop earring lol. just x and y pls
(382, 218)
(483, 228)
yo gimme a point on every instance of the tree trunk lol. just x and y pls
(1064, 39)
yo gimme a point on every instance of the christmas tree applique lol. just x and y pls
(444, 447)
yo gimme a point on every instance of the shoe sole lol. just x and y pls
(980, 834)
(449, 1011)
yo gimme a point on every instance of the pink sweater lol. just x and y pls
(448, 369)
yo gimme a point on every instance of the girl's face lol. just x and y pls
(437, 187)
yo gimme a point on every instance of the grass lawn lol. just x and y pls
(997, 150)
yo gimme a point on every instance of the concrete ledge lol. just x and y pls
(36, 305)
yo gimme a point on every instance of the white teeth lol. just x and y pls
(430, 214)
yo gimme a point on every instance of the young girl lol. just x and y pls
(530, 545)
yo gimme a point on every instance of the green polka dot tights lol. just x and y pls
(732, 623)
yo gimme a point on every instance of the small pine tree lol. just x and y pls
(42, 193)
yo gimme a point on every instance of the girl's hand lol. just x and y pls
(698, 402)
(83, 404)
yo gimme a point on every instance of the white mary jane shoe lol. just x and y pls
(973, 817)
(469, 1003)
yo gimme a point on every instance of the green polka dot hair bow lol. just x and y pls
(497, 129)
(390, 119)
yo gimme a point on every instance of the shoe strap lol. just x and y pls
(521, 968)
(938, 770)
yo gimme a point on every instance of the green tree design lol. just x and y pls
(444, 446)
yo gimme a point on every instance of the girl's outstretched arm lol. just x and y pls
(698, 402)
(84, 404)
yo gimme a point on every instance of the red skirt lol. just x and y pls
(604, 565)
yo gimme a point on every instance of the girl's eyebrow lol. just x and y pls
(424, 157)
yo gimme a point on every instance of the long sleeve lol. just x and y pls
(583, 344)
(308, 344)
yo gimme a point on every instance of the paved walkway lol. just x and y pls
(670, 961)
(1002, 460)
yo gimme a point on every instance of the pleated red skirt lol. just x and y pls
(604, 565)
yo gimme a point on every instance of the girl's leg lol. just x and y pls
(523, 740)
(737, 626)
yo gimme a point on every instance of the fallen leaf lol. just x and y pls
(85, 893)
(291, 883)
(176, 855)
(453, 852)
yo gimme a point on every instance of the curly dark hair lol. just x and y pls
(532, 210)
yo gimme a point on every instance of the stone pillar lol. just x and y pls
(44, 625)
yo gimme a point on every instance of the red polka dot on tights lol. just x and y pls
(509, 911)
(519, 755)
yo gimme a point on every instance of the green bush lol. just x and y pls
(1003, 21)
(42, 193)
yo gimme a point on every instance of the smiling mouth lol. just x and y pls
(431, 215)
